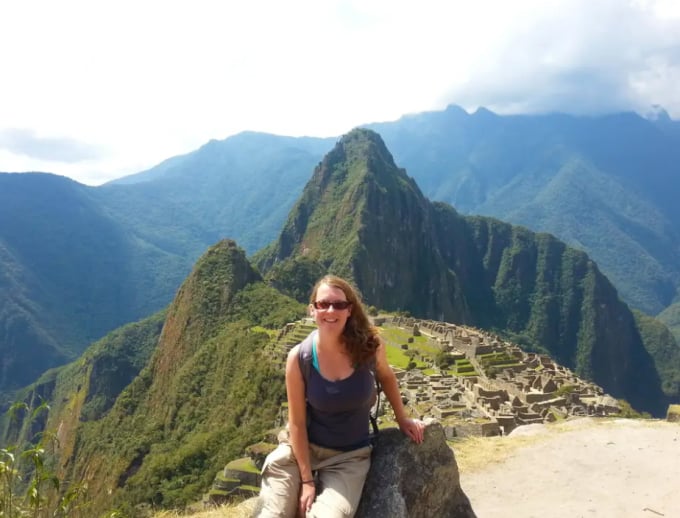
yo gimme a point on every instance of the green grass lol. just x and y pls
(464, 374)
(245, 464)
(271, 332)
(464, 364)
(397, 336)
(498, 359)
(219, 492)
(220, 476)
(396, 356)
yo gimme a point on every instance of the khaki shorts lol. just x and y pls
(340, 480)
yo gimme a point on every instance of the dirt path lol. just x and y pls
(582, 468)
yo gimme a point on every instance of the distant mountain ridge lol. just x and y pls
(241, 187)
(545, 172)
(548, 173)
(603, 184)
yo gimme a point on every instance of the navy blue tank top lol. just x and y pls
(338, 411)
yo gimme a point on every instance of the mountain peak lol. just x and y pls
(658, 113)
(358, 218)
(203, 302)
(361, 144)
(325, 223)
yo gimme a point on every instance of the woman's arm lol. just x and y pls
(413, 428)
(297, 427)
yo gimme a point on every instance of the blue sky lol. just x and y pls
(98, 90)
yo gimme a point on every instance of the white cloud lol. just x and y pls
(142, 81)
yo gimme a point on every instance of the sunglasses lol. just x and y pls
(339, 305)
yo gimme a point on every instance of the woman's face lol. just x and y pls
(330, 318)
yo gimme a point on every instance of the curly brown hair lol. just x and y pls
(360, 336)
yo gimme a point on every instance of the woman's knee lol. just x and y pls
(280, 461)
(280, 484)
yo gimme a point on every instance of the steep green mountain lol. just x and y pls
(362, 217)
(606, 185)
(69, 273)
(150, 415)
(354, 217)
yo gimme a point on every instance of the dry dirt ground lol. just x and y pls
(576, 469)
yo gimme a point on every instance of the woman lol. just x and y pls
(328, 411)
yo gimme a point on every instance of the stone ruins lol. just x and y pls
(496, 386)
(490, 387)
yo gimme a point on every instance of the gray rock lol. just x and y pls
(408, 480)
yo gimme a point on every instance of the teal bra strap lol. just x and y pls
(315, 358)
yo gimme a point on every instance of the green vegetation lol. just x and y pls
(464, 368)
(28, 484)
(564, 390)
(600, 184)
(244, 464)
(629, 412)
(151, 422)
(295, 278)
(664, 348)
(499, 360)
(419, 356)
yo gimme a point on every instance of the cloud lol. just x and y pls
(25, 142)
(581, 57)
(132, 83)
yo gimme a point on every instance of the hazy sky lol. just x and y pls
(95, 90)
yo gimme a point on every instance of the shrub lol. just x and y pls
(27, 486)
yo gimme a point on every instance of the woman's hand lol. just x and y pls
(307, 495)
(413, 428)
